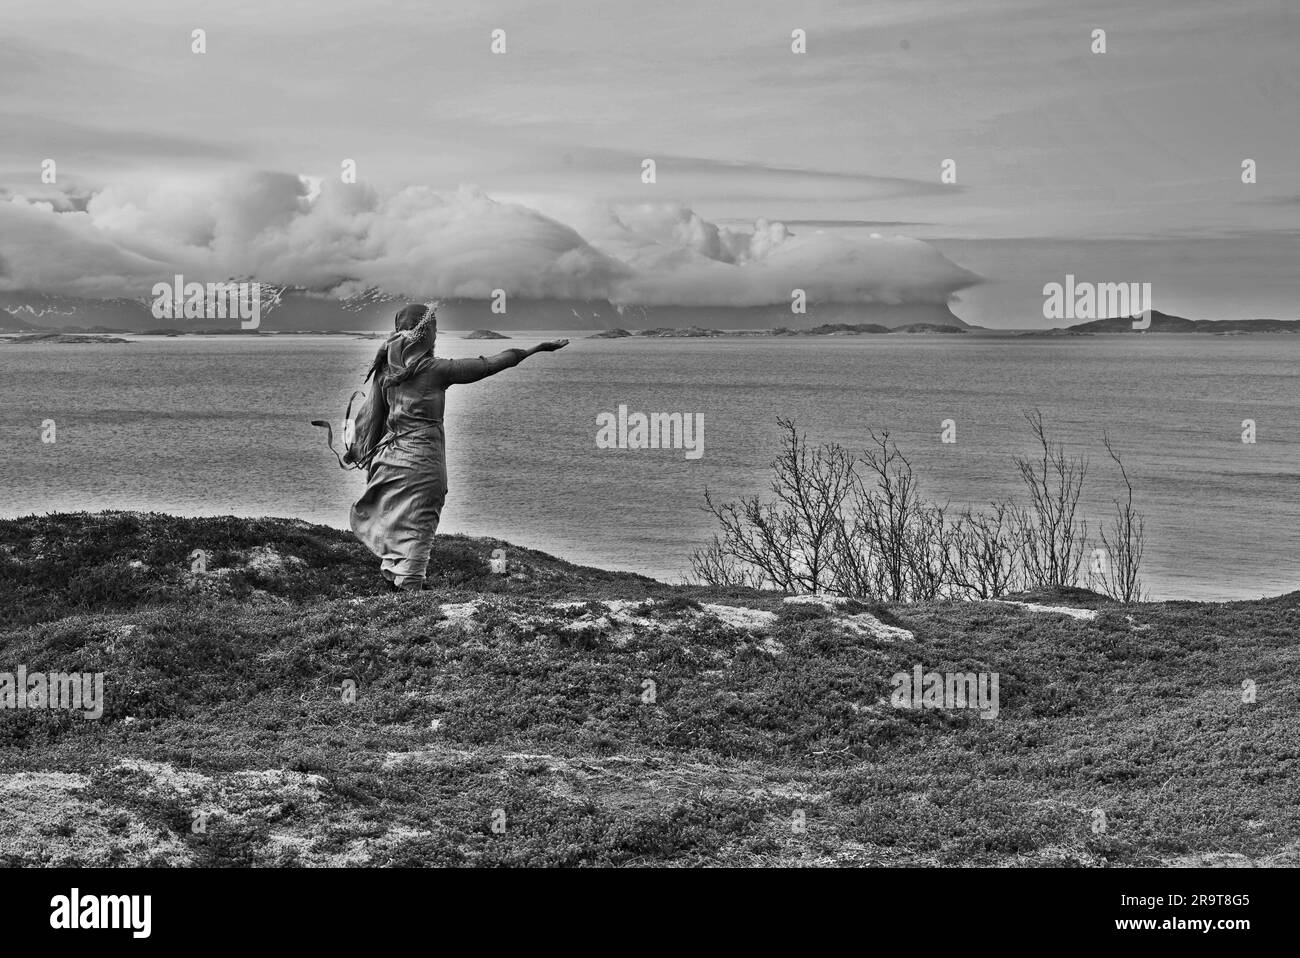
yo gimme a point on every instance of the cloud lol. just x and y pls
(280, 228)
(88, 145)
(733, 180)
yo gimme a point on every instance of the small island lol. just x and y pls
(834, 329)
(484, 334)
(1159, 322)
(71, 339)
(689, 332)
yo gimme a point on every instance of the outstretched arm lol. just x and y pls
(472, 370)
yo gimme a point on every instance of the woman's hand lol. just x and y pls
(551, 346)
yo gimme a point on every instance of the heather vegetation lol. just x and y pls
(274, 706)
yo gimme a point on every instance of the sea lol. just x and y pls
(220, 425)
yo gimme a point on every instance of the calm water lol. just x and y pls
(219, 425)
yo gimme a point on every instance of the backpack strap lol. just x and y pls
(329, 431)
(329, 440)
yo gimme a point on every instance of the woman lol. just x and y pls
(406, 484)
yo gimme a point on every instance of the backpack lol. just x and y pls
(361, 433)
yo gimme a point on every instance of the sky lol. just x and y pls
(477, 168)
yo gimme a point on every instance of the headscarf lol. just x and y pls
(415, 331)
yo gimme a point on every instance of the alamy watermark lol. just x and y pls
(66, 691)
(656, 430)
(75, 910)
(182, 300)
(946, 690)
(1086, 301)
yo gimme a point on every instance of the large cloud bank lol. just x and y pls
(278, 228)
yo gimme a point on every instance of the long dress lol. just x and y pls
(397, 515)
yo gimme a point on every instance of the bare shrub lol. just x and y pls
(1125, 541)
(986, 552)
(835, 525)
(899, 537)
(788, 543)
(1052, 533)
(715, 566)
(858, 526)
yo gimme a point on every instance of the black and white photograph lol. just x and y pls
(849, 441)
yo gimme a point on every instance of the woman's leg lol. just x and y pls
(397, 516)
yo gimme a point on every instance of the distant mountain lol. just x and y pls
(43, 311)
(282, 309)
(12, 324)
(292, 309)
(1166, 323)
(289, 309)
(573, 314)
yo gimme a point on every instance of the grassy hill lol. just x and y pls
(227, 737)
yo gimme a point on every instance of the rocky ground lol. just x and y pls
(266, 703)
